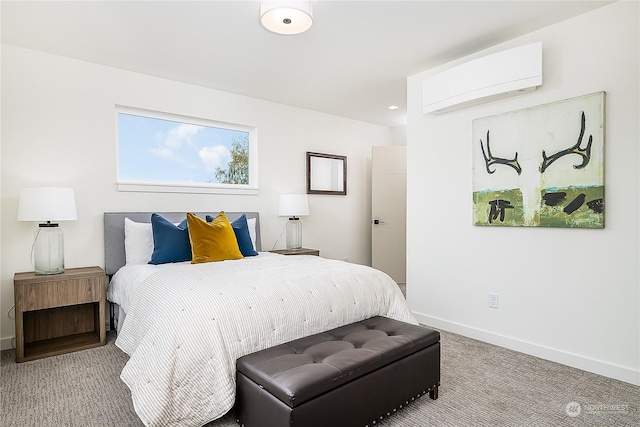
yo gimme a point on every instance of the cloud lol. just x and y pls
(170, 143)
(213, 157)
(180, 135)
(165, 153)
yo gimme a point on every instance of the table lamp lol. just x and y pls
(46, 204)
(293, 206)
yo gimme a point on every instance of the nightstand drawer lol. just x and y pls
(37, 296)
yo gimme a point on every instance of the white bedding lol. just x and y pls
(181, 370)
(125, 282)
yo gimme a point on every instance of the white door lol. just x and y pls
(389, 211)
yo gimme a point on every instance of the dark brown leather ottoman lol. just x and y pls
(354, 375)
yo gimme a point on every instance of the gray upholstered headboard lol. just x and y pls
(114, 256)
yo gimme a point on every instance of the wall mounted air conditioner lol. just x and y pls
(507, 73)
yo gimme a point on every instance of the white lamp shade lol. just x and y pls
(47, 204)
(294, 205)
(286, 17)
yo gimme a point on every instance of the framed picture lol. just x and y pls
(326, 174)
(542, 166)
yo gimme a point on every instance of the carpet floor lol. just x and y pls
(482, 385)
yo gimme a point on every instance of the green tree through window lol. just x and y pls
(237, 171)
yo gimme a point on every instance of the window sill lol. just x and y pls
(197, 189)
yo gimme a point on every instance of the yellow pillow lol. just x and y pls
(212, 241)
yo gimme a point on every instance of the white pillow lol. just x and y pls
(251, 224)
(138, 242)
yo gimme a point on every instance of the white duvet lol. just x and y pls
(181, 370)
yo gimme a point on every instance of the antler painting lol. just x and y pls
(517, 183)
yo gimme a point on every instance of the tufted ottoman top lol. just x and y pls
(300, 370)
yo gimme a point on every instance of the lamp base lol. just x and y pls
(294, 234)
(48, 250)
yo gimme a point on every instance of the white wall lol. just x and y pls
(59, 128)
(399, 135)
(569, 295)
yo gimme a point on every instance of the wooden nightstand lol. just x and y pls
(59, 313)
(303, 251)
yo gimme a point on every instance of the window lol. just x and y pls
(168, 153)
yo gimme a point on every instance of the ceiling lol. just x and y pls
(353, 62)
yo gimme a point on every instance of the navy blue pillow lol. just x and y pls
(241, 228)
(170, 242)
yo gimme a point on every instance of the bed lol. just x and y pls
(184, 325)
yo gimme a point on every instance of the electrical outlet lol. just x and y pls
(493, 300)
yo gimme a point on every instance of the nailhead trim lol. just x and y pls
(418, 396)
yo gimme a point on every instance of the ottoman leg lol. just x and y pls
(433, 393)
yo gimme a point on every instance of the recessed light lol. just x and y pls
(393, 107)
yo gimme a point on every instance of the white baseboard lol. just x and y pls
(570, 359)
(6, 343)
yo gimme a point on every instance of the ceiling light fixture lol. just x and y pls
(393, 107)
(286, 17)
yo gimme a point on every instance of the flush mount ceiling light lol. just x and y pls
(286, 17)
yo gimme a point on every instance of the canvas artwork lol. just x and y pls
(542, 166)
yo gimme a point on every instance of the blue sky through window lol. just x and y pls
(166, 151)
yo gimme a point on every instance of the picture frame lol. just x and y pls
(326, 174)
